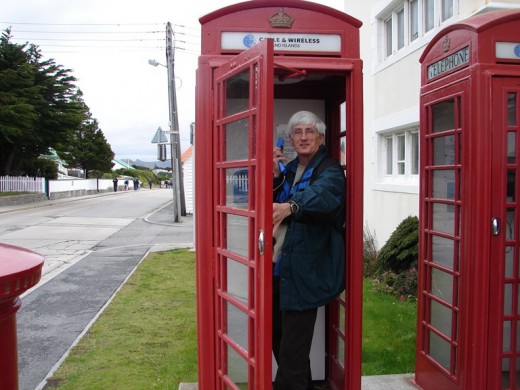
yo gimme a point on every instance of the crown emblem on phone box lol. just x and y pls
(281, 19)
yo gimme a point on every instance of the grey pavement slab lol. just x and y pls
(375, 382)
(388, 382)
(56, 314)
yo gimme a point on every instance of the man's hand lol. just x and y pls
(277, 157)
(280, 212)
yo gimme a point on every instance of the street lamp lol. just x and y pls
(155, 63)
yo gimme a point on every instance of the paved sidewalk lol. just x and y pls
(376, 382)
(49, 202)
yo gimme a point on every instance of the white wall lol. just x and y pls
(391, 101)
(80, 185)
(387, 91)
(187, 176)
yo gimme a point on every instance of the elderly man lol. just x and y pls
(309, 248)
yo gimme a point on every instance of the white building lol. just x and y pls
(393, 37)
(187, 175)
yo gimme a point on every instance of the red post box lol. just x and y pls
(20, 269)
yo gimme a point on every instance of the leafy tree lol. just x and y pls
(87, 148)
(39, 104)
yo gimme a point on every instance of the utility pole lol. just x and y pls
(177, 181)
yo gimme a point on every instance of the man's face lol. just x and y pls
(306, 140)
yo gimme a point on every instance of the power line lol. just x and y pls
(98, 36)
(103, 25)
(105, 47)
(80, 36)
(91, 40)
(85, 24)
(90, 32)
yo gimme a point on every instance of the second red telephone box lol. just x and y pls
(468, 333)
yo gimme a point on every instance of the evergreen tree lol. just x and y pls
(401, 251)
(39, 104)
(87, 148)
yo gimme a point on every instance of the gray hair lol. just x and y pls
(306, 118)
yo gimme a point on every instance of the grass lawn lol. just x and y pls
(146, 338)
(388, 333)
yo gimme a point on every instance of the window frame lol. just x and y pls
(401, 165)
(389, 153)
(413, 33)
(403, 27)
(389, 40)
(400, 153)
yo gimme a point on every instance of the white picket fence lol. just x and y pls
(55, 188)
(22, 184)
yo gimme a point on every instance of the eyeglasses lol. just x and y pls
(298, 133)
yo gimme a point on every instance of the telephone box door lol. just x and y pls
(504, 316)
(242, 169)
(442, 258)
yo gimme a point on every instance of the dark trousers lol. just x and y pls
(292, 339)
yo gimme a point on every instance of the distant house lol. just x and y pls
(120, 164)
(187, 172)
(60, 164)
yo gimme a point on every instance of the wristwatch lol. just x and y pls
(294, 207)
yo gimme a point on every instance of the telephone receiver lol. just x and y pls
(279, 144)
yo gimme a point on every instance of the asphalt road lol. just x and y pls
(91, 245)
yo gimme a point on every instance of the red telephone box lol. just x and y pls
(468, 333)
(261, 61)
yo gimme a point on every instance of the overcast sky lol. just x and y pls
(107, 45)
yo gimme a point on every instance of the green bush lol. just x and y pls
(396, 269)
(41, 167)
(402, 248)
(142, 174)
(403, 285)
(164, 176)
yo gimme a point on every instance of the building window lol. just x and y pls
(402, 154)
(447, 9)
(411, 19)
(389, 155)
(414, 152)
(400, 29)
(389, 36)
(429, 15)
(414, 19)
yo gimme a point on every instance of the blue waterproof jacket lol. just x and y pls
(311, 265)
